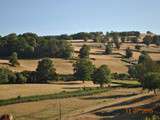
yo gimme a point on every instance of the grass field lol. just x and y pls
(14, 90)
(71, 107)
(31, 65)
(81, 108)
(92, 107)
(113, 61)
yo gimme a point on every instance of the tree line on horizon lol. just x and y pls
(30, 45)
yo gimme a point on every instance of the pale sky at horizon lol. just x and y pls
(50, 17)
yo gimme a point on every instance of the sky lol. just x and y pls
(52, 17)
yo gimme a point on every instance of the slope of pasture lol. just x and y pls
(153, 50)
(14, 90)
(113, 61)
(49, 109)
(62, 66)
(97, 49)
(82, 108)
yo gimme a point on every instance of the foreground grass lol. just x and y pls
(61, 95)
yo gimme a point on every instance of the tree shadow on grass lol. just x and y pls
(135, 100)
(127, 85)
(97, 53)
(7, 64)
(108, 97)
(71, 87)
(121, 114)
(129, 102)
(67, 83)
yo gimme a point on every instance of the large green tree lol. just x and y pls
(142, 70)
(84, 51)
(102, 75)
(46, 71)
(151, 81)
(83, 69)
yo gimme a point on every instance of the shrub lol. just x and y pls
(7, 76)
(120, 76)
(14, 59)
(20, 78)
(138, 47)
(108, 48)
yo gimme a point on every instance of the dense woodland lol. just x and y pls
(29, 45)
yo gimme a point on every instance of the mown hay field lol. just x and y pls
(49, 109)
(15, 90)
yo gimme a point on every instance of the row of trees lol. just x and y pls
(132, 36)
(85, 70)
(45, 72)
(29, 45)
(147, 72)
(154, 39)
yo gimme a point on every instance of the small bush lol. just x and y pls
(120, 76)
(138, 47)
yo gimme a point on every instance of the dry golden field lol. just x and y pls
(31, 65)
(81, 108)
(113, 61)
(14, 90)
